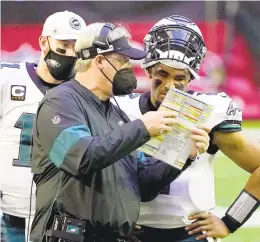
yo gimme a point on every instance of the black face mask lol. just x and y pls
(124, 81)
(60, 66)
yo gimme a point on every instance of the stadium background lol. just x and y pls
(232, 35)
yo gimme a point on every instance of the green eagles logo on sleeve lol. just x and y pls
(233, 109)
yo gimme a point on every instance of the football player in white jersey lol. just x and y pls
(175, 49)
(22, 87)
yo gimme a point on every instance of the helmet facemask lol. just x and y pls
(176, 46)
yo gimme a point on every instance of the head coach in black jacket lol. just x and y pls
(84, 160)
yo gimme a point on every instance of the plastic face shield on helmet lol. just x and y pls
(177, 46)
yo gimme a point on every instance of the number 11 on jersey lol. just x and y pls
(25, 123)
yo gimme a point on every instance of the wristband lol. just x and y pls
(240, 211)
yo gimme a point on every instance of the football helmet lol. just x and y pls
(177, 42)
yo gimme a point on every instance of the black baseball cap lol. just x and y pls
(120, 46)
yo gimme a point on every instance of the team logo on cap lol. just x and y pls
(86, 53)
(53, 63)
(75, 24)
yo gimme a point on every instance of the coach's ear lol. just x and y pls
(43, 43)
(99, 61)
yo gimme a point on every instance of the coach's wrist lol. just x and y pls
(188, 163)
(192, 157)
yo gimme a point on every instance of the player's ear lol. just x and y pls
(43, 43)
(188, 76)
(148, 72)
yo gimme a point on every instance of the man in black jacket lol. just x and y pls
(84, 158)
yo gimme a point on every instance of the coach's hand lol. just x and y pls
(200, 139)
(159, 122)
(211, 225)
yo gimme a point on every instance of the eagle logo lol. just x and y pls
(53, 63)
(233, 109)
(75, 24)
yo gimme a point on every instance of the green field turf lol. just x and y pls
(230, 179)
(244, 235)
(251, 124)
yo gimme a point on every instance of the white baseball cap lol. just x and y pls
(63, 26)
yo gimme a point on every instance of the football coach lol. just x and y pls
(88, 178)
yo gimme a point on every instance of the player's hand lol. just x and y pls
(200, 139)
(210, 224)
(159, 122)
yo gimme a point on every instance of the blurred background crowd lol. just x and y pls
(231, 31)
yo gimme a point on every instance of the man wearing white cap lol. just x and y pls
(22, 87)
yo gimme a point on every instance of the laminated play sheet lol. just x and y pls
(175, 147)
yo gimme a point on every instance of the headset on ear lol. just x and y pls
(100, 44)
(101, 41)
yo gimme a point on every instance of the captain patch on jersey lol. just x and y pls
(18, 92)
(21, 91)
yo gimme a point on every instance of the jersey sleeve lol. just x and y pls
(230, 115)
(8, 71)
(64, 134)
(226, 116)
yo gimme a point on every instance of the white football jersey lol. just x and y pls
(193, 190)
(20, 98)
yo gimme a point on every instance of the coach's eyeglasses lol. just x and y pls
(125, 60)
